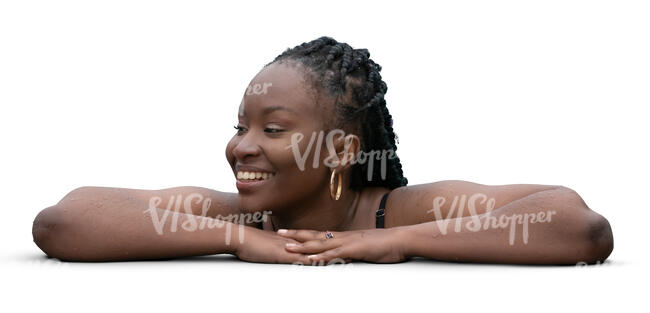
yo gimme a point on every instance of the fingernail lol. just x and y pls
(282, 231)
(291, 245)
(312, 256)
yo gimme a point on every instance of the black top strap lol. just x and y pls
(382, 211)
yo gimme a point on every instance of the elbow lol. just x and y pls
(47, 231)
(598, 240)
(591, 234)
(54, 226)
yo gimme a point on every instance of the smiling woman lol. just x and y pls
(325, 203)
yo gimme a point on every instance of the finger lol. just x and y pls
(302, 235)
(297, 259)
(330, 256)
(313, 246)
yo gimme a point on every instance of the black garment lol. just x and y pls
(381, 212)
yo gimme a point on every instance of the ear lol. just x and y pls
(347, 148)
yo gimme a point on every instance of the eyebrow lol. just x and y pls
(269, 110)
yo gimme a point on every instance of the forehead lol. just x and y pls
(281, 85)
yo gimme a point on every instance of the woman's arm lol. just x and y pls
(553, 226)
(468, 222)
(113, 224)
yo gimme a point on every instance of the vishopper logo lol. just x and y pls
(195, 222)
(336, 261)
(485, 221)
(254, 89)
(333, 160)
(585, 264)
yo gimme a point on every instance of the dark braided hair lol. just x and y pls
(352, 78)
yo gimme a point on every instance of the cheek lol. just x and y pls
(299, 167)
(281, 156)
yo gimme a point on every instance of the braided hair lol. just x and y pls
(351, 78)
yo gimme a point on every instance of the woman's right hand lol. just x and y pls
(267, 247)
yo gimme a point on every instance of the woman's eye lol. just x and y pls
(241, 129)
(273, 130)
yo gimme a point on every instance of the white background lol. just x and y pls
(144, 94)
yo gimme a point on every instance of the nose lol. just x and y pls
(247, 147)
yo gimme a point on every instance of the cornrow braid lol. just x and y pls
(353, 79)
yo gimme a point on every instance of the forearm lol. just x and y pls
(128, 230)
(548, 227)
(187, 199)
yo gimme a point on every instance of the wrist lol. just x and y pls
(233, 237)
(404, 241)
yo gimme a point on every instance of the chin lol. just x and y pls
(253, 203)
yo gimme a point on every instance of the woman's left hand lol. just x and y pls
(370, 245)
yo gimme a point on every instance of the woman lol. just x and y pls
(315, 152)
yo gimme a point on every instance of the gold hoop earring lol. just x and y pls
(338, 188)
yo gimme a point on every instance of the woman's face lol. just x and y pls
(277, 104)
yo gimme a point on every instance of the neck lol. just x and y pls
(320, 213)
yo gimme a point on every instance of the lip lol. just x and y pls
(249, 186)
(248, 168)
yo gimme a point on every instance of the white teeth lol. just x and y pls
(254, 175)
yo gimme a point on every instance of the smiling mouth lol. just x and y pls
(253, 176)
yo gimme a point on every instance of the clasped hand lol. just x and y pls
(310, 247)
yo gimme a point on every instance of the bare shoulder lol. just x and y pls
(412, 204)
(200, 200)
